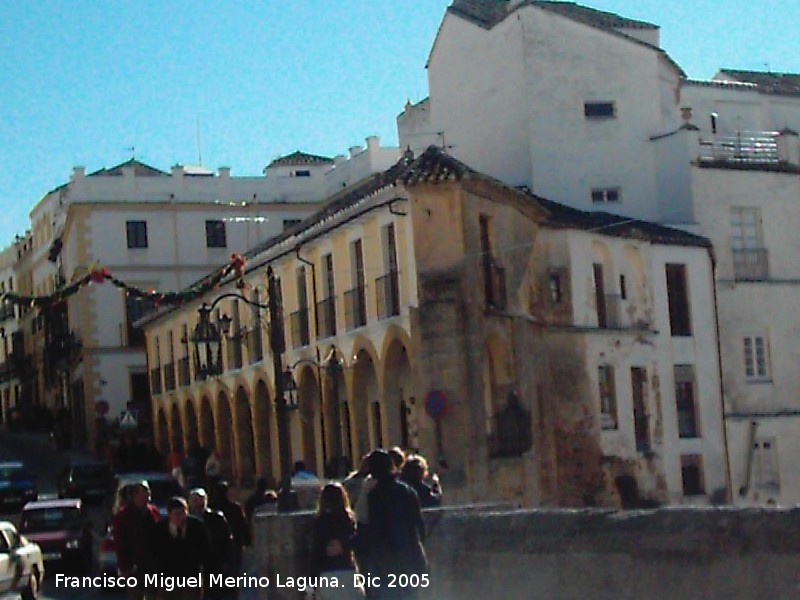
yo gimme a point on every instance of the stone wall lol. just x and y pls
(664, 554)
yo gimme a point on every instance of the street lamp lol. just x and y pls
(207, 338)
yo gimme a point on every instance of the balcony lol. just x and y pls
(326, 317)
(750, 264)
(299, 324)
(387, 290)
(255, 343)
(155, 380)
(6, 312)
(494, 284)
(184, 377)
(169, 376)
(747, 147)
(609, 315)
(355, 308)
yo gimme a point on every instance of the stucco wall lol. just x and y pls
(662, 554)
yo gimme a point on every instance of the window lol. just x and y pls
(678, 299)
(685, 402)
(750, 258)
(605, 195)
(554, 283)
(135, 309)
(600, 295)
(692, 475)
(756, 364)
(215, 234)
(623, 288)
(599, 110)
(302, 173)
(640, 416)
(608, 397)
(765, 463)
(137, 234)
(289, 223)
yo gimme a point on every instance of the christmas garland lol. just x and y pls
(101, 275)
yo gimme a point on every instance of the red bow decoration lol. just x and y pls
(99, 275)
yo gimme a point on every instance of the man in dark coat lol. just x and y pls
(392, 539)
(236, 521)
(220, 537)
(134, 527)
(182, 549)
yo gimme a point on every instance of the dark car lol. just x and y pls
(61, 529)
(17, 484)
(87, 480)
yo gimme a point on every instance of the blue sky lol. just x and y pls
(83, 81)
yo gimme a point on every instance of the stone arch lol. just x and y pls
(397, 395)
(163, 432)
(176, 439)
(309, 421)
(244, 439)
(395, 334)
(633, 269)
(367, 416)
(225, 445)
(192, 429)
(336, 428)
(605, 286)
(264, 419)
(207, 439)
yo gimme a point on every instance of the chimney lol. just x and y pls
(78, 173)
(176, 171)
(224, 172)
(354, 150)
(339, 159)
(373, 143)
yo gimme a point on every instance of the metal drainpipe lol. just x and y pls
(729, 483)
(316, 346)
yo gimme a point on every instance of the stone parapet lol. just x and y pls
(669, 553)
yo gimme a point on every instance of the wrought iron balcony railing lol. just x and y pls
(387, 290)
(751, 264)
(355, 308)
(326, 317)
(184, 377)
(169, 376)
(155, 380)
(299, 325)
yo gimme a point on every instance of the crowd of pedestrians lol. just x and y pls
(370, 523)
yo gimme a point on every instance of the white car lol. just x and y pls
(21, 563)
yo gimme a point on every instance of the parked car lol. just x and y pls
(61, 529)
(17, 484)
(85, 479)
(163, 486)
(106, 561)
(21, 563)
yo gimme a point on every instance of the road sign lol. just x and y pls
(436, 404)
(128, 420)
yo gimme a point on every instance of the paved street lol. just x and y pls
(46, 461)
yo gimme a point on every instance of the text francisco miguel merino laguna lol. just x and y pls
(170, 582)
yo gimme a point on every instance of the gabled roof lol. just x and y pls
(140, 169)
(783, 84)
(300, 158)
(488, 13)
(604, 223)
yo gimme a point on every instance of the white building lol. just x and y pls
(584, 107)
(152, 230)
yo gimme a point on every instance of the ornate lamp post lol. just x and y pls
(207, 339)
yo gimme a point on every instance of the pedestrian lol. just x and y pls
(333, 531)
(182, 549)
(134, 527)
(219, 534)
(260, 497)
(392, 540)
(414, 474)
(398, 457)
(352, 483)
(233, 512)
(213, 470)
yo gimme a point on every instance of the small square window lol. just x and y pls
(137, 234)
(599, 110)
(215, 234)
(605, 195)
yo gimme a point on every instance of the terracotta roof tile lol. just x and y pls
(140, 169)
(300, 158)
(782, 84)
